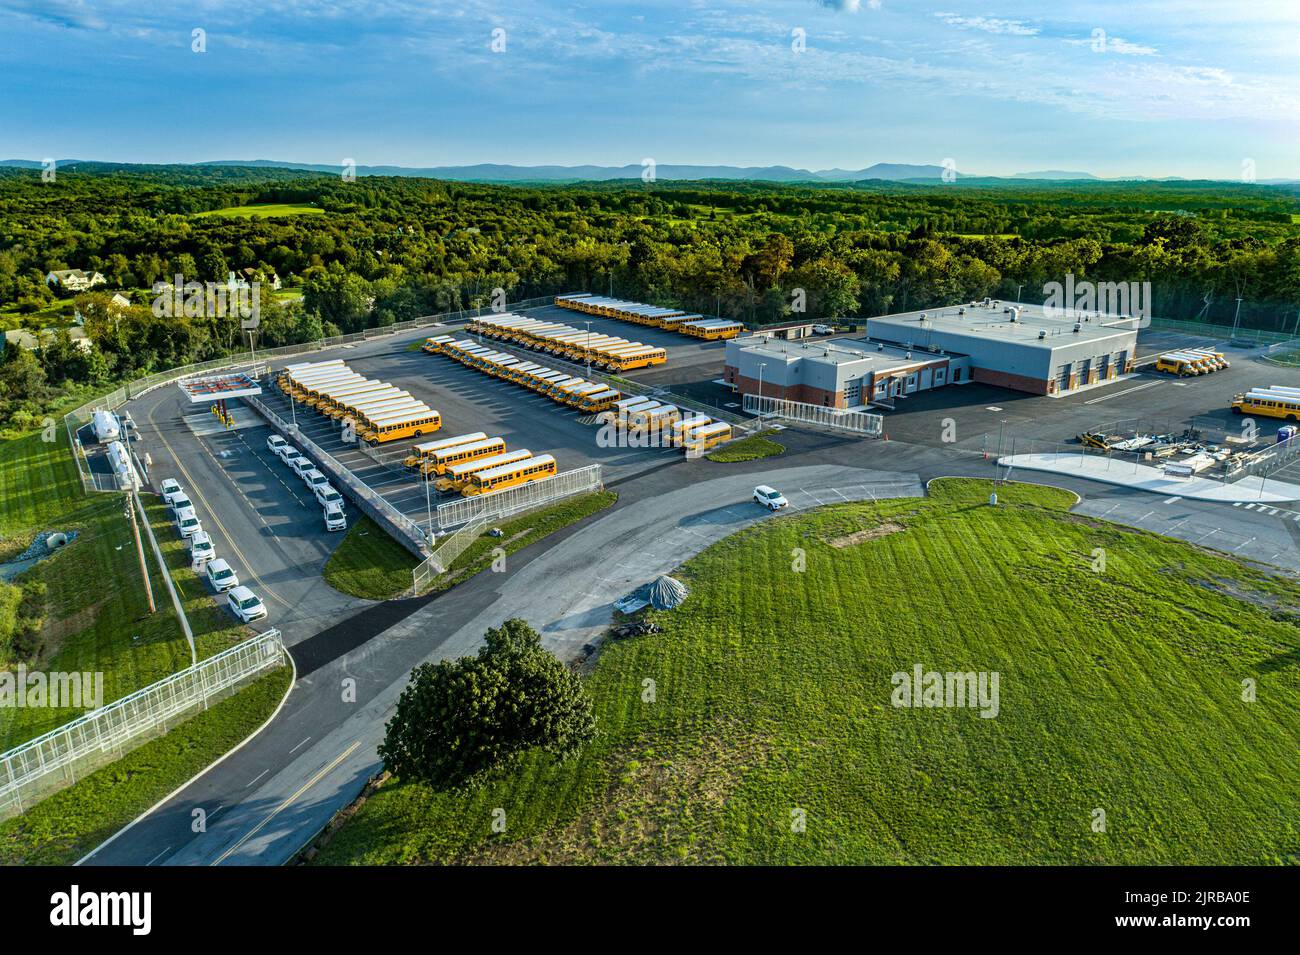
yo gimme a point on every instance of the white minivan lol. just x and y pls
(171, 488)
(334, 518)
(326, 494)
(221, 575)
(201, 548)
(187, 522)
(276, 445)
(301, 466)
(315, 479)
(245, 604)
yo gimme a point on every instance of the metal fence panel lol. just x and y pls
(441, 559)
(515, 500)
(859, 422)
(48, 763)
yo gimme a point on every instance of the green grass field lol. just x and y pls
(747, 449)
(264, 211)
(369, 563)
(1120, 690)
(67, 825)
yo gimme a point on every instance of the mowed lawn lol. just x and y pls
(766, 701)
(264, 211)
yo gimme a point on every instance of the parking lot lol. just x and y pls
(971, 416)
(468, 401)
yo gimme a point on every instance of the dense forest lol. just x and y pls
(370, 252)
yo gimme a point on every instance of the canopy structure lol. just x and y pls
(219, 388)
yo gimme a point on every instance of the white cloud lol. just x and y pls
(989, 24)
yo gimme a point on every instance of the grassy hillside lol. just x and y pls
(1120, 690)
(96, 611)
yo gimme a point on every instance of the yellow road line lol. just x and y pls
(286, 804)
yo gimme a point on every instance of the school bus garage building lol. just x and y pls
(1020, 347)
(834, 374)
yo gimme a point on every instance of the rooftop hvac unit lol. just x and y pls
(962, 310)
(922, 318)
(909, 356)
(880, 347)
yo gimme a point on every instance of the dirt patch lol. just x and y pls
(56, 631)
(870, 534)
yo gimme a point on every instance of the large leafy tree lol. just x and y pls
(458, 720)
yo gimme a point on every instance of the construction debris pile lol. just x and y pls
(1184, 455)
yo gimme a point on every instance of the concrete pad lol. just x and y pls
(1143, 478)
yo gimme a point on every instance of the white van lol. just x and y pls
(221, 575)
(187, 522)
(171, 488)
(276, 444)
(300, 466)
(245, 604)
(335, 520)
(326, 495)
(315, 479)
(201, 548)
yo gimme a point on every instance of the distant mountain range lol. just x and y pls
(494, 172)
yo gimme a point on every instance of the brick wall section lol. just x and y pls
(1035, 386)
(805, 393)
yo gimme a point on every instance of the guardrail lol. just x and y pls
(55, 760)
(403, 530)
(515, 500)
(859, 422)
(441, 559)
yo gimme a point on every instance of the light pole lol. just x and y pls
(428, 501)
(1018, 288)
(587, 347)
(761, 366)
(997, 465)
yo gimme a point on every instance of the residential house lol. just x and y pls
(74, 280)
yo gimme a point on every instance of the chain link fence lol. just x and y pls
(440, 560)
(57, 759)
(515, 500)
(859, 422)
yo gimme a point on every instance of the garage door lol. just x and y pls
(1063, 378)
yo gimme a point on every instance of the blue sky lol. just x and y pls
(1168, 87)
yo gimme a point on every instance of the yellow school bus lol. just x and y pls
(1269, 403)
(708, 436)
(600, 401)
(685, 426)
(422, 451)
(435, 344)
(437, 463)
(509, 475)
(458, 474)
(408, 424)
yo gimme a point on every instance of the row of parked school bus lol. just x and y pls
(379, 412)
(474, 463)
(471, 464)
(573, 391)
(1272, 401)
(637, 415)
(1191, 361)
(669, 319)
(665, 425)
(606, 352)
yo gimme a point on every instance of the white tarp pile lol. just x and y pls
(662, 593)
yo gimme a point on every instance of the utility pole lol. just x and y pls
(131, 503)
(587, 347)
(1236, 319)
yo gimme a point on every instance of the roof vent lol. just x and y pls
(1077, 326)
(922, 318)
(909, 355)
(1042, 333)
(880, 347)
